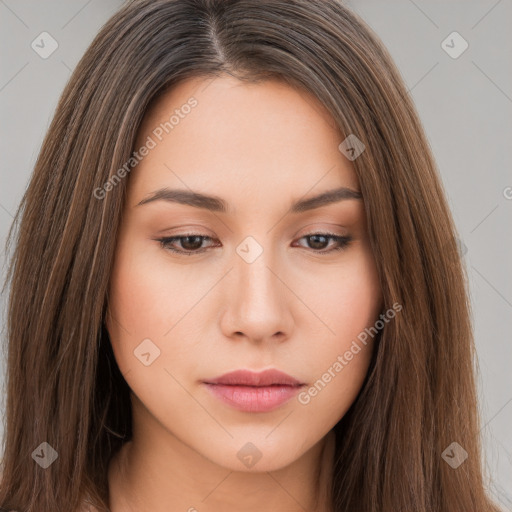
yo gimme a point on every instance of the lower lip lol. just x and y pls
(253, 399)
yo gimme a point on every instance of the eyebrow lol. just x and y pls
(216, 204)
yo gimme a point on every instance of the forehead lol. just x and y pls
(258, 139)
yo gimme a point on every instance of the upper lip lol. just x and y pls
(250, 378)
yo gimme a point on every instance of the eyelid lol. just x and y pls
(309, 230)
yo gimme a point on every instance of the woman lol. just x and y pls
(236, 282)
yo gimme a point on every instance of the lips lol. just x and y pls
(248, 378)
(254, 392)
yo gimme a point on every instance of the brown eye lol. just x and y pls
(318, 242)
(190, 243)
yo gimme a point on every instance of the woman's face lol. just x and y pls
(254, 288)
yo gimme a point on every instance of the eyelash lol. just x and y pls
(344, 242)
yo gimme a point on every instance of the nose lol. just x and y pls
(257, 301)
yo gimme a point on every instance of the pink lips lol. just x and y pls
(254, 392)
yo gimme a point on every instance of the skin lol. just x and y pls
(260, 148)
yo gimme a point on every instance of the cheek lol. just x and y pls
(339, 359)
(347, 298)
(147, 294)
(144, 300)
(360, 297)
(360, 304)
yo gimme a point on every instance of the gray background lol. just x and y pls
(465, 104)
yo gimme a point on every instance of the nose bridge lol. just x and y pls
(257, 301)
(256, 283)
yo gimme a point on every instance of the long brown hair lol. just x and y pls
(63, 384)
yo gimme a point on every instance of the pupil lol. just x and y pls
(191, 245)
(315, 238)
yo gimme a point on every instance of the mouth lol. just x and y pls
(254, 392)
